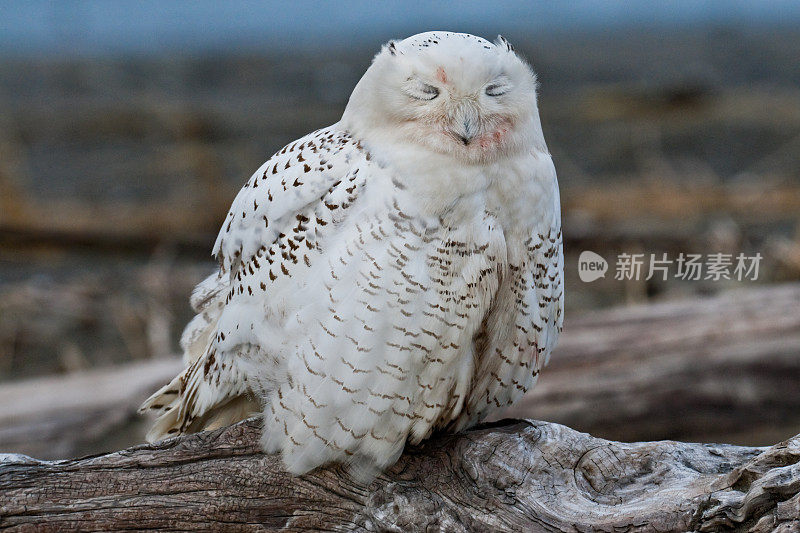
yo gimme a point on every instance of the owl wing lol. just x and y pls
(529, 313)
(266, 244)
(509, 366)
(277, 199)
(385, 354)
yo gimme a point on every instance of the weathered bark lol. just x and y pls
(509, 476)
(723, 365)
(720, 369)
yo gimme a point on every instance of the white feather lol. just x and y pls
(396, 273)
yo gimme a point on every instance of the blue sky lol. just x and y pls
(152, 26)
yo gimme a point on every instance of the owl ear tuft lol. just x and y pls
(502, 42)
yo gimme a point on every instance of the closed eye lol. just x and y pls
(420, 90)
(497, 89)
(429, 90)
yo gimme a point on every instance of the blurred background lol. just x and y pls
(127, 127)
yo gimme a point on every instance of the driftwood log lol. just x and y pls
(727, 365)
(507, 476)
(717, 369)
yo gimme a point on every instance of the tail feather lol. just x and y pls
(239, 408)
(165, 402)
(189, 404)
(206, 395)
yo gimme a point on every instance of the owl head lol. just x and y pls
(449, 93)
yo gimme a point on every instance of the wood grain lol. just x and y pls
(510, 476)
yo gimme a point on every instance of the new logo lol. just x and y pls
(591, 266)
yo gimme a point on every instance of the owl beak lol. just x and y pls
(466, 131)
(468, 134)
(465, 123)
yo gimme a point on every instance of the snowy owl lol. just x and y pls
(394, 274)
